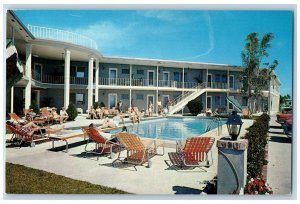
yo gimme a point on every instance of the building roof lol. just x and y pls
(170, 63)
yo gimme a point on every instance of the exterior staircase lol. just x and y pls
(181, 101)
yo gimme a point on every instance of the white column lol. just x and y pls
(67, 79)
(130, 77)
(90, 83)
(97, 81)
(28, 75)
(12, 99)
(130, 105)
(38, 96)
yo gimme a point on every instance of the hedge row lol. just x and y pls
(257, 136)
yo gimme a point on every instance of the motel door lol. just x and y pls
(208, 102)
(113, 76)
(209, 77)
(150, 98)
(112, 100)
(165, 100)
(151, 78)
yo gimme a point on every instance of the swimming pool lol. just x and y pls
(172, 128)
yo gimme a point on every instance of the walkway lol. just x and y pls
(279, 174)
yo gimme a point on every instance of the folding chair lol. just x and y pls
(193, 154)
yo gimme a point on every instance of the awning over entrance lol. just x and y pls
(234, 102)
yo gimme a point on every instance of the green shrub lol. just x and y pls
(257, 136)
(96, 104)
(195, 106)
(72, 112)
(102, 104)
(35, 107)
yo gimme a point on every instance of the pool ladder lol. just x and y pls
(215, 120)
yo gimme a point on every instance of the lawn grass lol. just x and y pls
(25, 180)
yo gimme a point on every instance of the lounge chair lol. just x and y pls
(23, 137)
(193, 154)
(46, 114)
(102, 145)
(15, 117)
(137, 152)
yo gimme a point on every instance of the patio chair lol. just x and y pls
(46, 114)
(15, 117)
(194, 153)
(137, 152)
(102, 145)
(24, 137)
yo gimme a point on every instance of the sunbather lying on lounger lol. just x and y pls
(107, 123)
(29, 128)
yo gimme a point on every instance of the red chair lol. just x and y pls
(23, 136)
(193, 154)
(102, 145)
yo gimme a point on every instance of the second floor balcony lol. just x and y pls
(115, 82)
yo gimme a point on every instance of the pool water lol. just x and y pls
(172, 128)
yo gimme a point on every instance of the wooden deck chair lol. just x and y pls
(102, 145)
(24, 137)
(193, 154)
(137, 152)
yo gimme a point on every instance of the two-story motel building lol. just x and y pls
(67, 68)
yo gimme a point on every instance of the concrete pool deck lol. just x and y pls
(160, 179)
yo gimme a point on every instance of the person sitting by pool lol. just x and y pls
(134, 116)
(106, 135)
(55, 116)
(208, 112)
(92, 113)
(105, 112)
(63, 114)
(107, 123)
(99, 112)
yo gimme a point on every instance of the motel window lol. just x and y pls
(139, 97)
(224, 78)
(125, 96)
(140, 72)
(79, 99)
(230, 106)
(244, 101)
(218, 100)
(80, 72)
(217, 78)
(125, 71)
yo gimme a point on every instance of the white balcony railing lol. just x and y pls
(61, 35)
(55, 79)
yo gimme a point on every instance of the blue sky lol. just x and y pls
(191, 35)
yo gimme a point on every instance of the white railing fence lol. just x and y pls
(61, 35)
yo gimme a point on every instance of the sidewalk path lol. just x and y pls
(279, 174)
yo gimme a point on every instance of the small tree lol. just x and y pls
(195, 106)
(34, 106)
(72, 112)
(254, 76)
